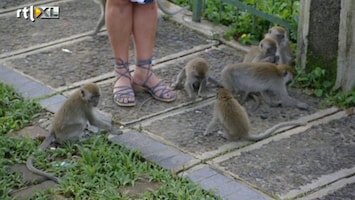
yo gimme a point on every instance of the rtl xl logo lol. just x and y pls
(42, 12)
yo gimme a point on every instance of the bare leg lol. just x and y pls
(145, 23)
(119, 20)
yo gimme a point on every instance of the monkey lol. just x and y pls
(70, 121)
(102, 4)
(234, 119)
(101, 21)
(265, 52)
(284, 50)
(261, 77)
(196, 73)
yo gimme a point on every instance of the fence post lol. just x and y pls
(197, 10)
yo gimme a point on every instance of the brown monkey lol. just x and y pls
(265, 52)
(102, 4)
(260, 77)
(70, 121)
(234, 119)
(284, 50)
(196, 73)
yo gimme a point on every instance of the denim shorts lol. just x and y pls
(142, 1)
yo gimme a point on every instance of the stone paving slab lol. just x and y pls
(308, 160)
(84, 59)
(225, 187)
(28, 88)
(6, 5)
(342, 189)
(168, 72)
(75, 17)
(194, 121)
(153, 150)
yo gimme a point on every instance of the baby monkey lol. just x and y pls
(196, 73)
(234, 119)
(265, 52)
(284, 50)
(70, 122)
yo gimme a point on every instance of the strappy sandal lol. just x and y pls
(123, 91)
(159, 88)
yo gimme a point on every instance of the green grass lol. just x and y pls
(14, 111)
(96, 168)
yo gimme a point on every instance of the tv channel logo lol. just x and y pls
(38, 12)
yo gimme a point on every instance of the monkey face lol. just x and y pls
(94, 101)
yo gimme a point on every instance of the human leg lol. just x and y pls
(145, 23)
(119, 19)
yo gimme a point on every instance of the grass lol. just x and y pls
(96, 168)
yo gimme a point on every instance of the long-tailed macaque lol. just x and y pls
(260, 77)
(196, 73)
(102, 4)
(234, 119)
(265, 52)
(284, 50)
(71, 120)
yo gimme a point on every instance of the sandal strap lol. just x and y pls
(147, 65)
(120, 64)
(160, 87)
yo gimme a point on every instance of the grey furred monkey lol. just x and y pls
(102, 4)
(196, 73)
(265, 52)
(234, 119)
(70, 122)
(261, 77)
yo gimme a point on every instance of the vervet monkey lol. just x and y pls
(234, 119)
(284, 50)
(102, 4)
(70, 122)
(196, 73)
(265, 52)
(260, 77)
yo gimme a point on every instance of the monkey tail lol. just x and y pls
(29, 162)
(168, 12)
(271, 130)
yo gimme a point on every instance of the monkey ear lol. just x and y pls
(82, 92)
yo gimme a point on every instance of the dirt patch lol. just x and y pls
(137, 190)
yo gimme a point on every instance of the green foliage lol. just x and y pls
(241, 22)
(317, 81)
(94, 169)
(15, 112)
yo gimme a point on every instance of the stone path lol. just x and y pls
(315, 161)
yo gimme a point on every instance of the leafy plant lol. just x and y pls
(242, 22)
(15, 112)
(92, 169)
(317, 81)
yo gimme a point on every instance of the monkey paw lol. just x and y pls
(303, 106)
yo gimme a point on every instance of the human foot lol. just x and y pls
(145, 80)
(123, 94)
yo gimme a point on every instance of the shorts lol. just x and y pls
(142, 1)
